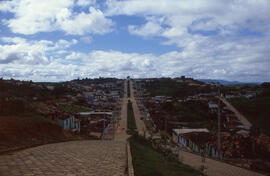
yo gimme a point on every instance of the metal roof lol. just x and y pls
(95, 113)
(182, 131)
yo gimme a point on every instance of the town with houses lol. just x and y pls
(176, 114)
(88, 109)
(134, 88)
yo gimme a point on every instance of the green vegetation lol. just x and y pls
(61, 90)
(130, 117)
(184, 112)
(73, 108)
(128, 89)
(14, 106)
(99, 80)
(28, 90)
(121, 94)
(169, 87)
(17, 99)
(23, 91)
(200, 118)
(256, 110)
(148, 162)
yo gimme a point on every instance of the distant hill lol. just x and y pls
(224, 82)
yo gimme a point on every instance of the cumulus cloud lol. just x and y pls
(206, 32)
(7, 6)
(204, 25)
(115, 61)
(244, 65)
(179, 16)
(86, 2)
(93, 22)
(21, 51)
(75, 56)
(86, 39)
(148, 29)
(31, 17)
(35, 16)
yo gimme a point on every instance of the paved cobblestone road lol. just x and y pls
(96, 158)
(120, 134)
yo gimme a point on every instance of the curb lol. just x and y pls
(130, 168)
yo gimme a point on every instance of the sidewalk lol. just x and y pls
(214, 167)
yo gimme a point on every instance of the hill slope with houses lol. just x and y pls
(34, 113)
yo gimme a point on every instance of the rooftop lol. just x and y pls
(95, 113)
(183, 131)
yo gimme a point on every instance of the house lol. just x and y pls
(159, 98)
(93, 117)
(77, 125)
(180, 80)
(213, 107)
(176, 135)
(50, 87)
(89, 96)
(115, 92)
(242, 131)
(249, 95)
(193, 84)
(197, 140)
(70, 123)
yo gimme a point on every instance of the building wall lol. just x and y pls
(67, 124)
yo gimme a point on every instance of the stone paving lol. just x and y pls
(120, 134)
(75, 158)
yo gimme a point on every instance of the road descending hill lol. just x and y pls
(104, 158)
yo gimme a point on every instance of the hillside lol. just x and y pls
(22, 123)
(25, 131)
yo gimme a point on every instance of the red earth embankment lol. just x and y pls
(18, 132)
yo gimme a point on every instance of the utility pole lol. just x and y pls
(166, 130)
(113, 125)
(219, 120)
(166, 124)
(104, 126)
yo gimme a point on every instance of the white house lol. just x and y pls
(178, 132)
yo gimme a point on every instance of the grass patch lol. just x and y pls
(72, 108)
(130, 117)
(148, 162)
(128, 89)
(131, 132)
(169, 87)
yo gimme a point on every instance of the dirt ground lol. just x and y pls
(26, 131)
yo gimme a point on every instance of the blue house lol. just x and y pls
(70, 123)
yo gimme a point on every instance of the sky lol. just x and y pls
(69, 39)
